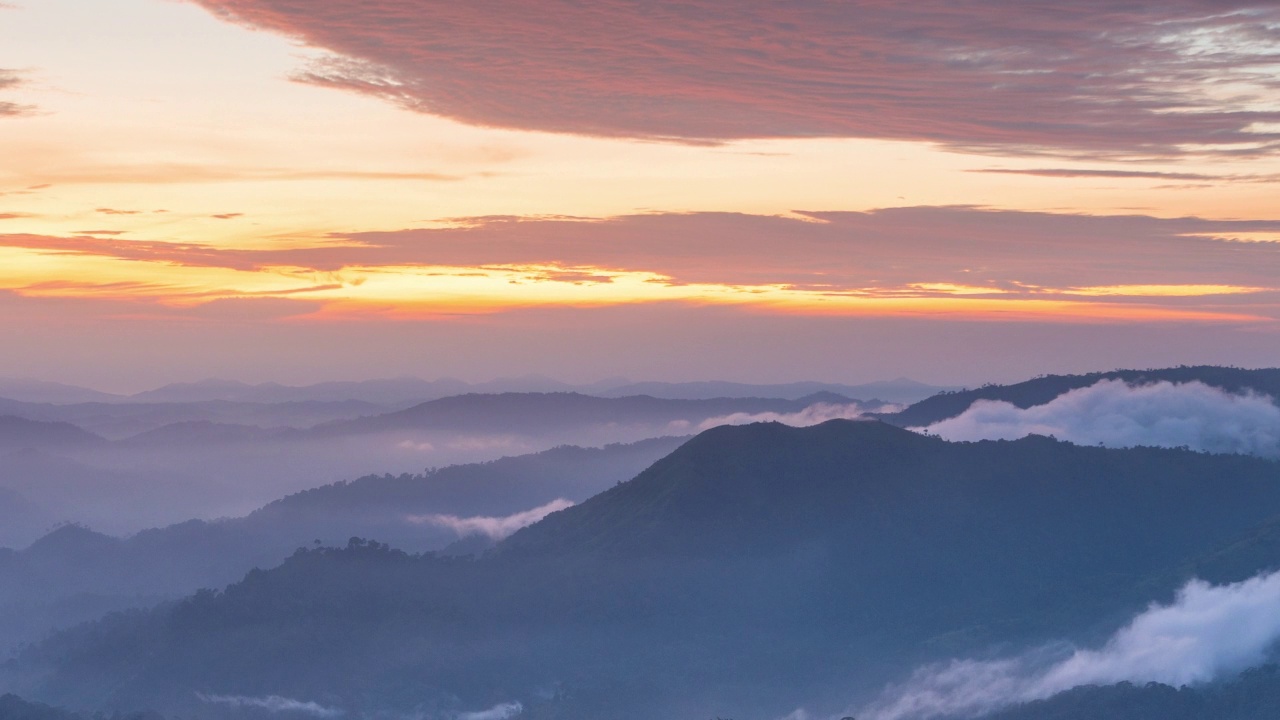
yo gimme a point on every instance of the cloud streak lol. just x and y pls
(273, 704)
(495, 528)
(931, 249)
(813, 415)
(9, 79)
(502, 711)
(1114, 414)
(1126, 174)
(913, 261)
(990, 75)
(1207, 632)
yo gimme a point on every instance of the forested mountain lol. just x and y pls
(13, 707)
(1255, 695)
(753, 570)
(1043, 389)
(74, 574)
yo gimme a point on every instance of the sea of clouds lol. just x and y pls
(1114, 414)
(1207, 632)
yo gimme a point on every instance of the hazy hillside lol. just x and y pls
(20, 518)
(43, 391)
(167, 463)
(74, 574)
(753, 570)
(17, 433)
(408, 390)
(902, 390)
(119, 420)
(541, 413)
(1043, 389)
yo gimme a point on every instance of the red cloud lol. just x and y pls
(1091, 76)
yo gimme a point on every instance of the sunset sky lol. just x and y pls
(960, 191)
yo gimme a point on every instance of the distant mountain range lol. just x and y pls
(402, 392)
(537, 413)
(74, 574)
(754, 569)
(165, 463)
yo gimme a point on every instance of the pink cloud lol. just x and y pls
(9, 79)
(1008, 252)
(190, 254)
(1000, 250)
(1015, 76)
(1123, 174)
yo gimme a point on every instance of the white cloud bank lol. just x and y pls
(1208, 631)
(1114, 414)
(273, 703)
(495, 528)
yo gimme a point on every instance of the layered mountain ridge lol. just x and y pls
(754, 568)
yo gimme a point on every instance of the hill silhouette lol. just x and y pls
(17, 433)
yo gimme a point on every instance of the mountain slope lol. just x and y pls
(1255, 695)
(753, 569)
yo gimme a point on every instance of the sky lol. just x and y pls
(960, 191)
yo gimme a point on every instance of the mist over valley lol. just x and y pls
(774, 557)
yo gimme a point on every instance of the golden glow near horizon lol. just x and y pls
(154, 122)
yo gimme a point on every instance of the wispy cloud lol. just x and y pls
(10, 79)
(1114, 414)
(274, 704)
(1104, 173)
(1038, 78)
(503, 711)
(1207, 631)
(922, 251)
(959, 261)
(813, 415)
(213, 173)
(495, 528)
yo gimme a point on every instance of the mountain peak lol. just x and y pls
(743, 485)
(72, 541)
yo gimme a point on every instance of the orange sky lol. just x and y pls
(160, 161)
